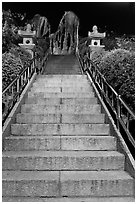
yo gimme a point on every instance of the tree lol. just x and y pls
(10, 29)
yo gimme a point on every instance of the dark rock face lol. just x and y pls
(41, 25)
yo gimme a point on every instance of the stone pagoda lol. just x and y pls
(95, 37)
(27, 39)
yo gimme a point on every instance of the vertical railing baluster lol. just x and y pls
(118, 112)
(128, 118)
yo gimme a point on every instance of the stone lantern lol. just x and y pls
(27, 39)
(95, 37)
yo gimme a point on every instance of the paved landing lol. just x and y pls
(62, 64)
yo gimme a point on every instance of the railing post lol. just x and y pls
(18, 86)
(118, 112)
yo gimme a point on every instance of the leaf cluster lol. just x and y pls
(11, 68)
(118, 67)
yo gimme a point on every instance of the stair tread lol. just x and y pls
(60, 137)
(70, 199)
(30, 175)
(65, 175)
(53, 153)
(61, 153)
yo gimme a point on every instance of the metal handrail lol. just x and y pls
(12, 92)
(124, 117)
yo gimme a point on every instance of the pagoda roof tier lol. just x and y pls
(95, 34)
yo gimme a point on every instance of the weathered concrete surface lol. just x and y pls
(40, 118)
(22, 143)
(67, 160)
(30, 143)
(72, 183)
(58, 101)
(88, 143)
(69, 199)
(96, 183)
(59, 118)
(61, 95)
(33, 183)
(60, 129)
(61, 146)
(77, 109)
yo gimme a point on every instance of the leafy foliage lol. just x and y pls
(110, 43)
(11, 68)
(10, 29)
(126, 43)
(22, 54)
(118, 67)
(97, 55)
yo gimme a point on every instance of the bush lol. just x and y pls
(110, 43)
(11, 68)
(97, 55)
(10, 29)
(126, 43)
(22, 54)
(118, 67)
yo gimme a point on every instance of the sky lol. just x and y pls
(118, 17)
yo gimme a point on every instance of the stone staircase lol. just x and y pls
(60, 148)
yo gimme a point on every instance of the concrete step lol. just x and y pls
(59, 118)
(30, 183)
(22, 143)
(60, 129)
(38, 118)
(62, 76)
(74, 184)
(65, 84)
(63, 160)
(62, 89)
(70, 199)
(63, 108)
(61, 95)
(98, 183)
(58, 101)
(65, 80)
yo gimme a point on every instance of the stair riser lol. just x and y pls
(64, 129)
(88, 143)
(58, 101)
(70, 199)
(97, 188)
(65, 85)
(63, 163)
(100, 188)
(95, 109)
(60, 118)
(60, 143)
(62, 89)
(47, 118)
(62, 76)
(31, 188)
(61, 95)
(22, 144)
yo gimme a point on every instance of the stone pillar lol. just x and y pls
(95, 37)
(77, 39)
(27, 35)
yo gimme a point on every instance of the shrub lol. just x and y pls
(118, 67)
(126, 43)
(22, 54)
(110, 43)
(11, 68)
(97, 55)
